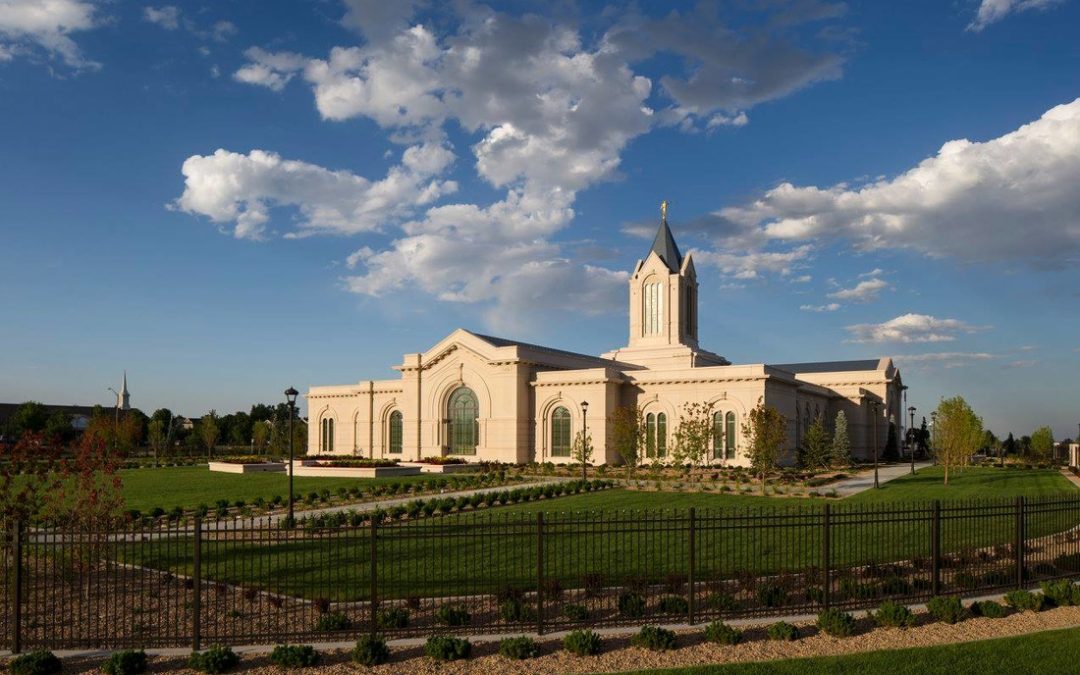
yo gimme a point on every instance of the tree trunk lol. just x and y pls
(946, 474)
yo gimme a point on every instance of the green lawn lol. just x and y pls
(190, 486)
(975, 482)
(1048, 652)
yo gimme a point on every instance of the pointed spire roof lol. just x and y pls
(664, 243)
(123, 387)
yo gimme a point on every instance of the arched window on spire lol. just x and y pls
(653, 308)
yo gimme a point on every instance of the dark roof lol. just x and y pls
(828, 366)
(664, 246)
(504, 342)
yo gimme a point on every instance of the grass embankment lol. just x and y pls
(601, 532)
(1048, 652)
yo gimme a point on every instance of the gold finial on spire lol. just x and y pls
(663, 211)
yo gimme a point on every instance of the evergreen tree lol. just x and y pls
(841, 443)
(816, 449)
(892, 441)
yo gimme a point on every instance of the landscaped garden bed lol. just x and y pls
(354, 467)
(443, 465)
(246, 464)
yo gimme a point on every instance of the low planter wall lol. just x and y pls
(263, 467)
(443, 468)
(309, 468)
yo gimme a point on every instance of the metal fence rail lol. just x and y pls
(190, 583)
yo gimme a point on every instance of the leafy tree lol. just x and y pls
(209, 432)
(694, 435)
(1042, 442)
(163, 415)
(582, 451)
(990, 443)
(1010, 445)
(157, 436)
(816, 449)
(58, 427)
(765, 430)
(240, 429)
(30, 417)
(959, 435)
(840, 452)
(627, 424)
(260, 435)
(1025, 446)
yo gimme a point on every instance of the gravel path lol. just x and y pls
(619, 656)
(864, 480)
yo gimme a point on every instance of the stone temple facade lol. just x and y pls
(490, 398)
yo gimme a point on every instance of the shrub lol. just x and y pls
(333, 621)
(1026, 600)
(655, 638)
(988, 608)
(575, 612)
(582, 643)
(39, 662)
(453, 615)
(1068, 562)
(370, 651)
(722, 634)
(1062, 593)
(515, 610)
(721, 601)
(127, 662)
(836, 623)
(217, 659)
(965, 580)
(894, 615)
(447, 648)
(674, 604)
(782, 630)
(946, 609)
(392, 617)
(519, 648)
(772, 595)
(294, 656)
(631, 605)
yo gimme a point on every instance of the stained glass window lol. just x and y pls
(729, 436)
(560, 432)
(463, 412)
(395, 432)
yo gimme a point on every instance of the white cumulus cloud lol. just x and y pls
(830, 307)
(911, 328)
(992, 11)
(166, 16)
(26, 25)
(867, 290)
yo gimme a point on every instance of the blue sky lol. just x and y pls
(230, 198)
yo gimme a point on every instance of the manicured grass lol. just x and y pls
(190, 486)
(974, 482)
(1048, 652)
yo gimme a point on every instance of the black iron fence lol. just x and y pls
(196, 582)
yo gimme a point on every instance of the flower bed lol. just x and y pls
(441, 460)
(352, 468)
(260, 466)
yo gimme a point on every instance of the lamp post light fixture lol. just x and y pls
(911, 435)
(584, 435)
(875, 407)
(290, 396)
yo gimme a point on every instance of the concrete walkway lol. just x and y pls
(864, 480)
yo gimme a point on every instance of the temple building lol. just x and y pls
(488, 398)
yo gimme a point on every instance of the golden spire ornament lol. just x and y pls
(663, 211)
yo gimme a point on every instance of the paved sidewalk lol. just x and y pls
(1071, 477)
(864, 480)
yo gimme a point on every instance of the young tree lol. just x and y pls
(582, 451)
(209, 432)
(1008, 447)
(816, 448)
(627, 424)
(765, 430)
(959, 435)
(58, 427)
(30, 417)
(694, 435)
(1042, 443)
(157, 435)
(840, 452)
(260, 435)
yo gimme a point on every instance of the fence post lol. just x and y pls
(935, 550)
(16, 601)
(539, 572)
(692, 566)
(196, 602)
(1019, 542)
(374, 577)
(826, 580)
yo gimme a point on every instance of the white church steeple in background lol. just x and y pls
(123, 399)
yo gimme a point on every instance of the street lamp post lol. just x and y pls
(584, 435)
(911, 437)
(874, 405)
(116, 419)
(933, 431)
(290, 396)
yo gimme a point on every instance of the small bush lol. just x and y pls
(988, 608)
(575, 612)
(38, 662)
(333, 621)
(453, 615)
(772, 596)
(722, 634)
(1063, 593)
(1026, 600)
(392, 617)
(294, 656)
(893, 615)
(515, 610)
(836, 623)
(1068, 562)
(127, 662)
(965, 580)
(582, 643)
(447, 648)
(655, 638)
(217, 659)
(782, 630)
(721, 601)
(631, 605)
(946, 609)
(519, 648)
(370, 651)
(674, 604)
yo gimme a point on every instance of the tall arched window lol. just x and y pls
(729, 436)
(718, 435)
(661, 435)
(560, 432)
(798, 425)
(650, 435)
(464, 432)
(653, 308)
(395, 432)
(690, 311)
(327, 435)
